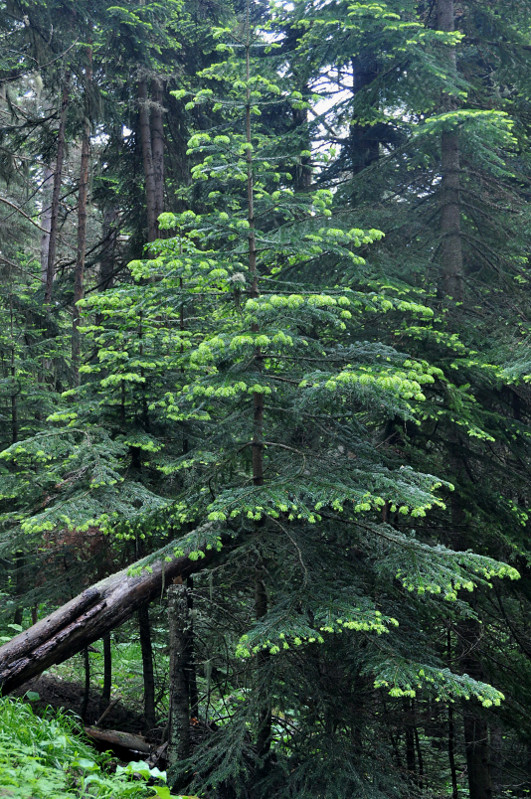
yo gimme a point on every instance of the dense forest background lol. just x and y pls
(265, 319)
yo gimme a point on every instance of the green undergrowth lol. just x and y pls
(127, 681)
(45, 758)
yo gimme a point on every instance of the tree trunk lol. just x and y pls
(107, 670)
(410, 751)
(147, 156)
(263, 738)
(13, 371)
(46, 218)
(54, 212)
(363, 141)
(93, 613)
(110, 232)
(179, 721)
(451, 249)
(475, 727)
(191, 672)
(79, 273)
(144, 629)
(157, 146)
(19, 586)
(303, 171)
(86, 687)
(451, 284)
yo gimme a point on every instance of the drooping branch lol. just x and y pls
(89, 616)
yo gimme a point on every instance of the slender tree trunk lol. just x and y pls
(58, 175)
(107, 669)
(451, 249)
(86, 688)
(13, 370)
(263, 739)
(451, 752)
(110, 232)
(410, 751)
(157, 145)
(303, 172)
(147, 155)
(79, 273)
(363, 142)
(496, 754)
(144, 628)
(420, 759)
(179, 721)
(476, 731)
(46, 218)
(19, 586)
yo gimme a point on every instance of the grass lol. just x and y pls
(45, 758)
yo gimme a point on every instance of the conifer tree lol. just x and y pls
(448, 189)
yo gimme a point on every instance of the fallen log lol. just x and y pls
(86, 618)
(122, 743)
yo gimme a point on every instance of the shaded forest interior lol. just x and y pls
(265, 387)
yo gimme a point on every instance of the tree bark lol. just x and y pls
(86, 687)
(476, 732)
(93, 613)
(54, 214)
(79, 273)
(451, 250)
(363, 141)
(144, 629)
(46, 218)
(152, 155)
(107, 670)
(19, 586)
(13, 370)
(451, 285)
(110, 234)
(179, 721)
(157, 146)
(451, 247)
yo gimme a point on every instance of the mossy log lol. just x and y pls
(90, 615)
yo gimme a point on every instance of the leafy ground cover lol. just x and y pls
(45, 758)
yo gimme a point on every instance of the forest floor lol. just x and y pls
(57, 693)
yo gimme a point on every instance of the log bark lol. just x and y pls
(120, 742)
(90, 615)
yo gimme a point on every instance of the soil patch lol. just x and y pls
(57, 693)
